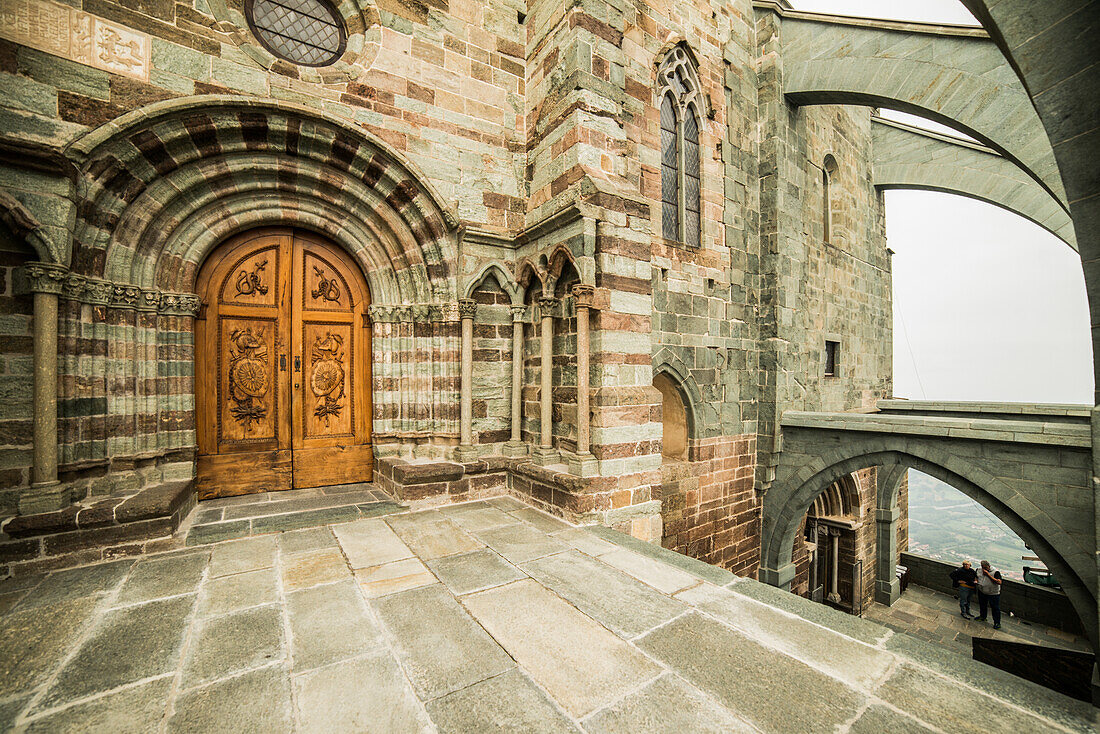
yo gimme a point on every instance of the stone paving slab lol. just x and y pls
(772, 691)
(618, 601)
(126, 646)
(364, 694)
(507, 702)
(668, 705)
(432, 535)
(580, 663)
(312, 614)
(441, 648)
(857, 664)
(474, 571)
(520, 543)
(513, 623)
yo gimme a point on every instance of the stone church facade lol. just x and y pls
(587, 252)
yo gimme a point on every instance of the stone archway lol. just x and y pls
(164, 186)
(791, 495)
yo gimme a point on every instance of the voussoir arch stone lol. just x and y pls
(157, 182)
(959, 80)
(906, 157)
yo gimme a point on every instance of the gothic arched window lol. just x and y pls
(679, 95)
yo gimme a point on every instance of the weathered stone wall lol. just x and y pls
(518, 137)
(492, 391)
(16, 375)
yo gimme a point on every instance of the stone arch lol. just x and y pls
(496, 271)
(828, 171)
(558, 259)
(839, 498)
(666, 362)
(676, 423)
(958, 79)
(24, 226)
(787, 501)
(906, 157)
(163, 185)
(527, 274)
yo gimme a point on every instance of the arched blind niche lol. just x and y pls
(679, 95)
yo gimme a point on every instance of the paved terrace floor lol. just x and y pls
(934, 616)
(479, 617)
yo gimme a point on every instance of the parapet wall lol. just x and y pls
(1027, 601)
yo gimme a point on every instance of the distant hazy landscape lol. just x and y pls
(947, 525)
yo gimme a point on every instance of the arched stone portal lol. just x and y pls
(163, 187)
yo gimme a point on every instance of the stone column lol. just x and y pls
(45, 494)
(834, 594)
(544, 453)
(466, 451)
(515, 445)
(887, 585)
(584, 463)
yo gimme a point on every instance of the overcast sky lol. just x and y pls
(987, 305)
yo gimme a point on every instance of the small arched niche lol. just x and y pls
(674, 432)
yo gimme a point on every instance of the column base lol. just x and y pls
(887, 592)
(583, 465)
(781, 577)
(514, 448)
(545, 456)
(463, 454)
(45, 497)
(834, 598)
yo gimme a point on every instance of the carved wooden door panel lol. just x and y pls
(282, 366)
(331, 377)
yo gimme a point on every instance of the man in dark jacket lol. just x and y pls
(965, 579)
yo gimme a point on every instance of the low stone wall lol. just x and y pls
(96, 529)
(1027, 601)
(577, 499)
(441, 482)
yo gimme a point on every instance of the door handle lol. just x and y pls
(297, 363)
(282, 362)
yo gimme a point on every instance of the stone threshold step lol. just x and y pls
(214, 532)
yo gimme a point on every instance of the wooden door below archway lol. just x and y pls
(282, 366)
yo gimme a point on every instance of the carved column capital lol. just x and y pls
(467, 308)
(519, 313)
(180, 304)
(41, 278)
(547, 305)
(584, 295)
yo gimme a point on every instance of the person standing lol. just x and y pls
(965, 579)
(989, 593)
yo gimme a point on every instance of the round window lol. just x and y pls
(307, 32)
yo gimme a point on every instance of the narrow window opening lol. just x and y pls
(828, 168)
(832, 353)
(521, 17)
(692, 222)
(670, 171)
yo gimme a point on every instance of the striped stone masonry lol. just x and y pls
(501, 155)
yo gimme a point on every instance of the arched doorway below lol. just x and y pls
(282, 366)
(831, 547)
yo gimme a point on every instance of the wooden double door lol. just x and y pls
(282, 366)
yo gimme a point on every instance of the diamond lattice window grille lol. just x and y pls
(305, 32)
